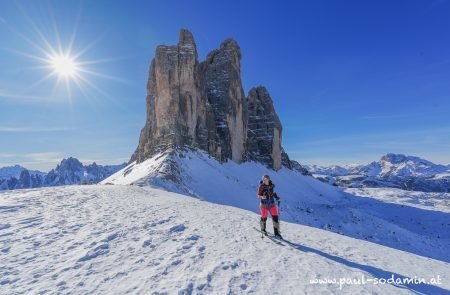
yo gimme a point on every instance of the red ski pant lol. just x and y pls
(272, 209)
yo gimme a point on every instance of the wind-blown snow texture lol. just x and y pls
(130, 239)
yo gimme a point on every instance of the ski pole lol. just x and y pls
(278, 207)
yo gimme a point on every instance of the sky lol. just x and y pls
(350, 80)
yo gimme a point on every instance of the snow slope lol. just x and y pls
(197, 174)
(305, 200)
(422, 200)
(117, 239)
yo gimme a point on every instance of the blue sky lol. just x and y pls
(351, 80)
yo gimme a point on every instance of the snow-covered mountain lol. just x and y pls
(15, 171)
(333, 170)
(69, 171)
(398, 165)
(16, 177)
(392, 170)
(72, 171)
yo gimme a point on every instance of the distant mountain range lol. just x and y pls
(392, 170)
(69, 171)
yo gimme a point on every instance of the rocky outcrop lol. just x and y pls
(203, 105)
(296, 166)
(29, 180)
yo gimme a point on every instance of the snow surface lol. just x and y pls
(131, 235)
(305, 200)
(442, 175)
(117, 239)
(427, 201)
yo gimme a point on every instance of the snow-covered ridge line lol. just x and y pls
(392, 170)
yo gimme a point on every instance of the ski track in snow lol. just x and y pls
(126, 239)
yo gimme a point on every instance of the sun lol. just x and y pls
(65, 62)
(64, 66)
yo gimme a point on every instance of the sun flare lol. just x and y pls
(64, 66)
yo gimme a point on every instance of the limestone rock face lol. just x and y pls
(264, 129)
(203, 105)
(221, 73)
(174, 101)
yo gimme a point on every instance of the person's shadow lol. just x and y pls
(431, 225)
(418, 288)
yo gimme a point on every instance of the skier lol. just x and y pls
(267, 196)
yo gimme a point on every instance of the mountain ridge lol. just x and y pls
(392, 170)
(68, 171)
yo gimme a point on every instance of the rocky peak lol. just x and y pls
(70, 164)
(203, 105)
(186, 44)
(394, 158)
(186, 38)
(397, 159)
(231, 47)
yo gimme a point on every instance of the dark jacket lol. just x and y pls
(268, 191)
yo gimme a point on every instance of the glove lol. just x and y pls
(264, 196)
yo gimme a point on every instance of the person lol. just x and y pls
(267, 197)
